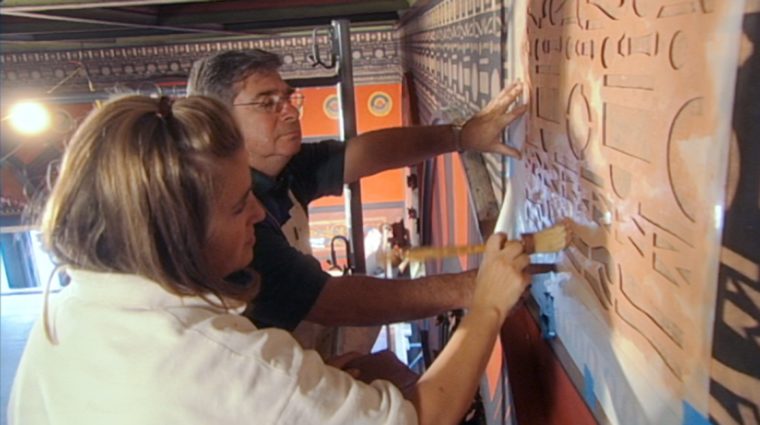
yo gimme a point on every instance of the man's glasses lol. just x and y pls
(274, 103)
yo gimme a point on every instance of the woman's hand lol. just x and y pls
(501, 279)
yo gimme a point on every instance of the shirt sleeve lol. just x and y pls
(264, 376)
(290, 281)
(326, 395)
(318, 170)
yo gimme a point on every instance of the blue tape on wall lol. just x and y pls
(692, 416)
(545, 300)
(588, 388)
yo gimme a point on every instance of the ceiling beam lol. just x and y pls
(46, 5)
(190, 14)
(103, 22)
(309, 23)
(13, 25)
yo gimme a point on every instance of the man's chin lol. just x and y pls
(293, 135)
(290, 145)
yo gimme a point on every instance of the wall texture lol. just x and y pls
(628, 135)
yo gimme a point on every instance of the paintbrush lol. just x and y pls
(553, 239)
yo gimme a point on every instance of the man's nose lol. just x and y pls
(289, 111)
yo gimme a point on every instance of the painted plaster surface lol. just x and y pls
(628, 136)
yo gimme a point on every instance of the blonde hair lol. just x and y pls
(136, 190)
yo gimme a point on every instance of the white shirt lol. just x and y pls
(130, 352)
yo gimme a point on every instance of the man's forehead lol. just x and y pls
(266, 82)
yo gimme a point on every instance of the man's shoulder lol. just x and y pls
(316, 164)
(323, 148)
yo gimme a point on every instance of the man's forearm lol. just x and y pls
(367, 301)
(391, 148)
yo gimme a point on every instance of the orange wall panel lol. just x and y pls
(387, 186)
(318, 115)
(461, 195)
(377, 106)
(327, 201)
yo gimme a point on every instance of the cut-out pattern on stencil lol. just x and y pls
(623, 139)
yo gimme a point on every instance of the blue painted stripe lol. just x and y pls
(692, 416)
(588, 388)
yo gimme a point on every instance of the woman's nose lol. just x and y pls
(257, 210)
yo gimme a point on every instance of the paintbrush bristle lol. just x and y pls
(553, 239)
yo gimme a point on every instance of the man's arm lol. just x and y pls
(380, 150)
(366, 301)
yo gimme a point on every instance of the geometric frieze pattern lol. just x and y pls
(628, 138)
(455, 52)
(374, 53)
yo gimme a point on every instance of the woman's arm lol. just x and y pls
(445, 391)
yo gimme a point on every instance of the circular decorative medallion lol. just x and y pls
(380, 104)
(331, 106)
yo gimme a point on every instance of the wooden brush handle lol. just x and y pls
(427, 252)
(549, 240)
(430, 252)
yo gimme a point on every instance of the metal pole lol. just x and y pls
(348, 127)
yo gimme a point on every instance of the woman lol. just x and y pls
(151, 210)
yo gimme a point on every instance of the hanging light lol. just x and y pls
(29, 117)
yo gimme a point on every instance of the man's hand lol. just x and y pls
(341, 362)
(482, 132)
(380, 365)
(383, 365)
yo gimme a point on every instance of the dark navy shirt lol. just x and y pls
(290, 280)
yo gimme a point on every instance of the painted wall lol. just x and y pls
(454, 53)
(460, 53)
(377, 106)
(24, 169)
(78, 76)
(629, 136)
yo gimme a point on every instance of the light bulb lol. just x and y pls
(30, 117)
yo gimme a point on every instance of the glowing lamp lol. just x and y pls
(29, 117)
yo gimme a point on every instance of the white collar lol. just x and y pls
(133, 291)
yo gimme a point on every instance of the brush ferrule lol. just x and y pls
(529, 243)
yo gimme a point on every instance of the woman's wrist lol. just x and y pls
(486, 313)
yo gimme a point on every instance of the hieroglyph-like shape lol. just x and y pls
(628, 136)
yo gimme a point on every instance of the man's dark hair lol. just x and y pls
(217, 75)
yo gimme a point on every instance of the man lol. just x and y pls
(288, 175)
